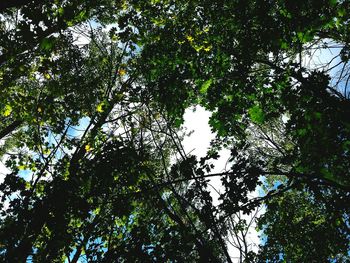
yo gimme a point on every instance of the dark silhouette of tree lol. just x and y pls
(91, 130)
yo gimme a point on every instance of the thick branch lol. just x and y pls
(10, 128)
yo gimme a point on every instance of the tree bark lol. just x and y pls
(10, 128)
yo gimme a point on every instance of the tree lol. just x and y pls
(101, 187)
(299, 227)
(31, 33)
(257, 86)
(111, 191)
(247, 67)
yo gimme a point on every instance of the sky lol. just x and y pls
(196, 120)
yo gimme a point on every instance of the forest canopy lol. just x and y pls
(92, 103)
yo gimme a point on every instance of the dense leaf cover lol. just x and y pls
(92, 100)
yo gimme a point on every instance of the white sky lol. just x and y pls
(197, 144)
(199, 141)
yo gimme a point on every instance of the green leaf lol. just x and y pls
(318, 115)
(178, 122)
(61, 10)
(285, 13)
(7, 111)
(99, 107)
(302, 132)
(342, 12)
(283, 44)
(305, 37)
(256, 114)
(47, 43)
(217, 126)
(327, 174)
(82, 15)
(333, 2)
(205, 86)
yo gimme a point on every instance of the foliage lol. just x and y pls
(299, 227)
(91, 128)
